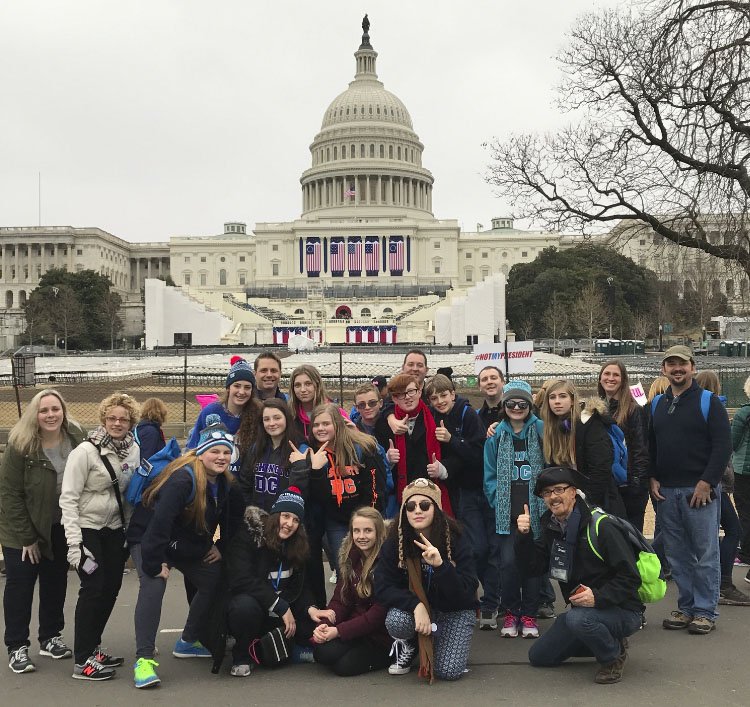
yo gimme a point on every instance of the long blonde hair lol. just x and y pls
(559, 443)
(195, 511)
(346, 439)
(364, 587)
(320, 391)
(25, 435)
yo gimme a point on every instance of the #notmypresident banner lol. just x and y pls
(520, 357)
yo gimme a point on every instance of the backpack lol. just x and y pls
(150, 468)
(705, 403)
(653, 586)
(620, 458)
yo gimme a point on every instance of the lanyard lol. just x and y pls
(276, 582)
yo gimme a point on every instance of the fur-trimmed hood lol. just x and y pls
(592, 406)
(255, 522)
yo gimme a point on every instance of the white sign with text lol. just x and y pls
(520, 356)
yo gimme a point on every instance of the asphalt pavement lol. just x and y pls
(664, 667)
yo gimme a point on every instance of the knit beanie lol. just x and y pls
(214, 434)
(290, 501)
(517, 390)
(240, 371)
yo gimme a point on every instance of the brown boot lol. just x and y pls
(612, 672)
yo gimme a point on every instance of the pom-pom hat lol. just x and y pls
(240, 371)
(214, 434)
(290, 501)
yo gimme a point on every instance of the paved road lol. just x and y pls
(665, 668)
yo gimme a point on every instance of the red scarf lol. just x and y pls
(433, 447)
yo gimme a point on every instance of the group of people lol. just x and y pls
(416, 498)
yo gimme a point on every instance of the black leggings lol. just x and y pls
(347, 658)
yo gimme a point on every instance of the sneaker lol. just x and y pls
(19, 661)
(488, 621)
(546, 611)
(106, 660)
(612, 672)
(403, 653)
(700, 625)
(241, 671)
(739, 562)
(333, 578)
(92, 670)
(55, 648)
(677, 621)
(733, 597)
(144, 674)
(644, 622)
(529, 628)
(510, 626)
(183, 649)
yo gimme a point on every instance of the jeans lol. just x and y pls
(354, 657)
(742, 500)
(520, 595)
(691, 543)
(318, 525)
(21, 577)
(730, 522)
(479, 524)
(584, 632)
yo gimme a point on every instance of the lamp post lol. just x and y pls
(610, 285)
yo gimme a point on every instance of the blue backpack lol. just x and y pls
(620, 458)
(705, 403)
(150, 468)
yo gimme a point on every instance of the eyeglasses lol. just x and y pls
(554, 491)
(516, 405)
(424, 506)
(367, 404)
(409, 393)
(121, 420)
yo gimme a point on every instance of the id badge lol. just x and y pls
(559, 561)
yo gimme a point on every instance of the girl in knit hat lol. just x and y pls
(266, 575)
(351, 638)
(426, 580)
(513, 458)
(174, 527)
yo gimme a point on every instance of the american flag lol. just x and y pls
(354, 250)
(312, 257)
(396, 255)
(350, 191)
(338, 253)
(372, 256)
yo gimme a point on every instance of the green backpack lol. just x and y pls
(653, 586)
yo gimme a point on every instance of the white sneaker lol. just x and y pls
(403, 652)
(333, 578)
(510, 626)
(241, 671)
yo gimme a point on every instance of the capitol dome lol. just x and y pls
(366, 155)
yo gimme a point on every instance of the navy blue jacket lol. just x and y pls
(150, 438)
(684, 447)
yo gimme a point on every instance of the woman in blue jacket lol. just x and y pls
(175, 527)
(513, 458)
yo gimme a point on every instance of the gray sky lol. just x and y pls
(156, 118)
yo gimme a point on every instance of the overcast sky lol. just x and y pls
(159, 118)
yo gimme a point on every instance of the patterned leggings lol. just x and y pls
(452, 640)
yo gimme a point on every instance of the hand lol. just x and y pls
(655, 486)
(430, 554)
(393, 455)
(398, 427)
(584, 598)
(296, 455)
(491, 429)
(320, 458)
(422, 623)
(349, 423)
(701, 496)
(164, 573)
(435, 470)
(213, 555)
(290, 625)
(31, 552)
(441, 433)
(325, 633)
(523, 523)
(317, 615)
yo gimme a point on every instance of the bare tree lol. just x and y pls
(555, 319)
(111, 304)
(589, 312)
(661, 95)
(643, 325)
(526, 327)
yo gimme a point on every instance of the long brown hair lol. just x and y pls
(625, 402)
(442, 530)
(295, 549)
(346, 571)
(251, 423)
(347, 438)
(195, 511)
(320, 392)
(560, 443)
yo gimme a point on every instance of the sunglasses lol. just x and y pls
(424, 506)
(367, 404)
(516, 405)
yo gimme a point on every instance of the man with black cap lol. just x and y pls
(603, 592)
(690, 444)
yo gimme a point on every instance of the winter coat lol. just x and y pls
(741, 440)
(261, 482)
(28, 496)
(635, 431)
(150, 438)
(88, 498)
(594, 457)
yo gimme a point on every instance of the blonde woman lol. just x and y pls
(94, 516)
(31, 533)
